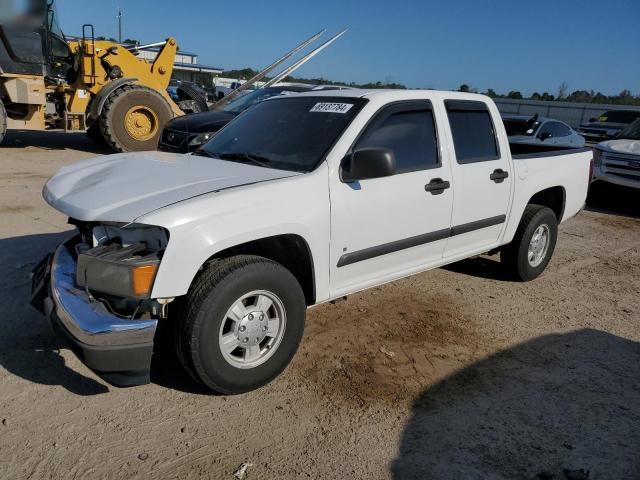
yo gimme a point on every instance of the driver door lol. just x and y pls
(383, 228)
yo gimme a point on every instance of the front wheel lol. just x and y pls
(243, 322)
(531, 249)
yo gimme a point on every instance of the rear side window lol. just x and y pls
(561, 130)
(474, 136)
(407, 130)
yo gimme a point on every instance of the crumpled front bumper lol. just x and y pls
(118, 349)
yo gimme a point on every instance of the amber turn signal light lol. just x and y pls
(142, 279)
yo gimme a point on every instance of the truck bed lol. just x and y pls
(522, 150)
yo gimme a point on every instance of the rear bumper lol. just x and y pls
(118, 349)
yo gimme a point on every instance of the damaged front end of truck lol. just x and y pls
(95, 290)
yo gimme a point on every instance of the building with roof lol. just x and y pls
(186, 67)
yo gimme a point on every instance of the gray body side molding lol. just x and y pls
(98, 103)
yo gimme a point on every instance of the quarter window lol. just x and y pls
(409, 133)
(474, 136)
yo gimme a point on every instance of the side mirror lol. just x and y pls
(592, 120)
(544, 135)
(365, 163)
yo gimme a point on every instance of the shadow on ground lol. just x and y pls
(29, 348)
(568, 401)
(481, 267)
(614, 200)
(53, 140)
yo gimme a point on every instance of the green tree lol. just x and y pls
(464, 88)
(514, 94)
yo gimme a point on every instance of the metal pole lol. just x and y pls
(303, 60)
(119, 25)
(233, 94)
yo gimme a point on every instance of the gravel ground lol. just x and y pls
(453, 374)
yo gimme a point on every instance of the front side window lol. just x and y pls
(289, 133)
(547, 130)
(474, 136)
(409, 133)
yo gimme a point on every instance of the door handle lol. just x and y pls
(436, 186)
(499, 175)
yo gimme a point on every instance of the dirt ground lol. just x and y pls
(453, 374)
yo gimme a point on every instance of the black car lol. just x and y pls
(188, 133)
(608, 125)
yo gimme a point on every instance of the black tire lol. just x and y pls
(94, 132)
(112, 118)
(3, 121)
(515, 256)
(221, 285)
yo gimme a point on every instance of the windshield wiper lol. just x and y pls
(250, 157)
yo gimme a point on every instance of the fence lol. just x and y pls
(572, 113)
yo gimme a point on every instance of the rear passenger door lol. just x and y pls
(482, 178)
(383, 228)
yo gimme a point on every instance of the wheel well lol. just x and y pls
(553, 197)
(291, 251)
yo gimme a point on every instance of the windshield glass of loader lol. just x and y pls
(287, 133)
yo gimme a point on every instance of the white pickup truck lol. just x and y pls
(300, 200)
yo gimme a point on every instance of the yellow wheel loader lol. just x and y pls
(82, 85)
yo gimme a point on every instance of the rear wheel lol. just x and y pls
(3, 121)
(531, 249)
(133, 117)
(243, 322)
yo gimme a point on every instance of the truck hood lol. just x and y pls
(122, 187)
(629, 147)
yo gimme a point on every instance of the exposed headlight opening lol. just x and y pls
(119, 260)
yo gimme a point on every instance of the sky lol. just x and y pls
(505, 45)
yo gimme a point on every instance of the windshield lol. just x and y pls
(520, 127)
(632, 132)
(289, 133)
(54, 25)
(619, 116)
(239, 105)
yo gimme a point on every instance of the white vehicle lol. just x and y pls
(300, 200)
(618, 161)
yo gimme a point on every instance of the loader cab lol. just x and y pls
(31, 41)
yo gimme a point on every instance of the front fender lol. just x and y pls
(204, 226)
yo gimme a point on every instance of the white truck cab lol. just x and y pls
(300, 200)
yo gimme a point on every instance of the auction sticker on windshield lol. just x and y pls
(332, 107)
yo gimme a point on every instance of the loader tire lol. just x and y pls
(94, 132)
(3, 121)
(133, 118)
